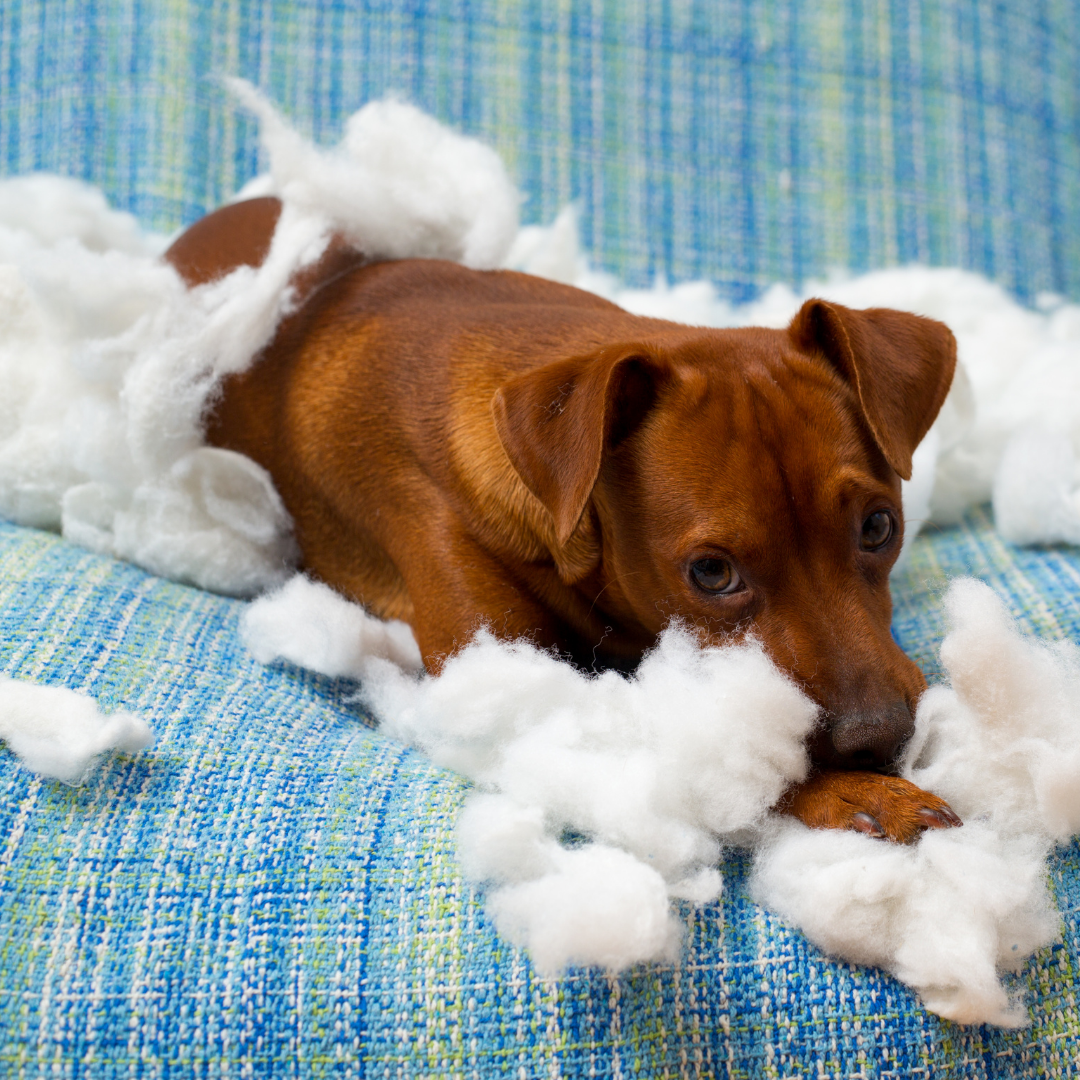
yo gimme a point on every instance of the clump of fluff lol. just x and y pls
(398, 185)
(1037, 483)
(310, 625)
(58, 209)
(653, 770)
(60, 733)
(109, 361)
(595, 905)
(604, 798)
(945, 916)
(1001, 743)
(1002, 740)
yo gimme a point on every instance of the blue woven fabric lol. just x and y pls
(736, 140)
(271, 890)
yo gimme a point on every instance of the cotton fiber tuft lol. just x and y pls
(1003, 741)
(59, 209)
(308, 624)
(596, 906)
(109, 361)
(398, 185)
(653, 770)
(60, 733)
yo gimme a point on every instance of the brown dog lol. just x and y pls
(460, 447)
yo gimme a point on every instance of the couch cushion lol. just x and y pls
(737, 141)
(273, 885)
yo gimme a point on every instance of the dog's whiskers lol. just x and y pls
(618, 579)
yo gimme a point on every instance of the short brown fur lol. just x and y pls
(460, 447)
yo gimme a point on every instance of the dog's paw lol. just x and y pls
(880, 806)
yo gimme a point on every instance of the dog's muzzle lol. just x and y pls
(870, 739)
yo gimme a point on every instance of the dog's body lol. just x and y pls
(460, 447)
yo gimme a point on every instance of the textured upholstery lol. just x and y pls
(738, 140)
(272, 889)
(273, 886)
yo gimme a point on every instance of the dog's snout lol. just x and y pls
(872, 739)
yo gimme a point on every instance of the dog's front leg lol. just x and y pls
(458, 587)
(881, 806)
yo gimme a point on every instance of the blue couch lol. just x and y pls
(272, 889)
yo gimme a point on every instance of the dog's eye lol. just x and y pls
(716, 576)
(877, 530)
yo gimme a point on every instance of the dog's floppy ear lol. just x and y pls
(900, 365)
(557, 421)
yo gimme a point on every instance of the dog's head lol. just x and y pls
(748, 481)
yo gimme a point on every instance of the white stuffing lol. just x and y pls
(1037, 486)
(652, 769)
(398, 185)
(61, 733)
(1004, 739)
(310, 625)
(594, 905)
(109, 362)
(944, 916)
(652, 774)
(58, 210)
(110, 359)
(1001, 743)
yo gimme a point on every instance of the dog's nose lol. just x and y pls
(872, 739)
